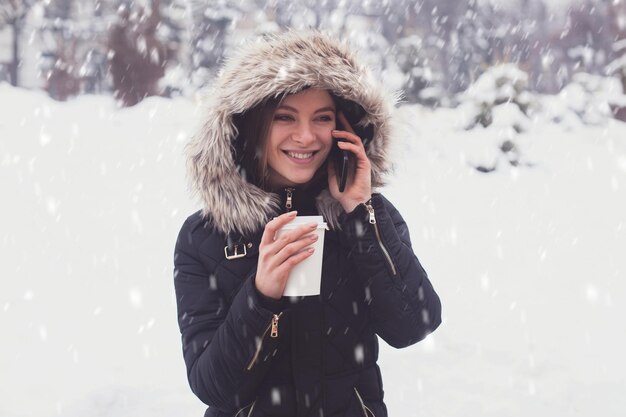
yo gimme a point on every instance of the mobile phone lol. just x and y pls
(341, 159)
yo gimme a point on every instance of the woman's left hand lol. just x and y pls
(359, 184)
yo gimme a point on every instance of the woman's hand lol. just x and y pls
(277, 257)
(358, 186)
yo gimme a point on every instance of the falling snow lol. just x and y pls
(526, 254)
(135, 297)
(359, 353)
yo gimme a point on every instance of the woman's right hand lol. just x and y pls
(277, 257)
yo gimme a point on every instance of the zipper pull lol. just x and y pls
(369, 207)
(274, 332)
(289, 204)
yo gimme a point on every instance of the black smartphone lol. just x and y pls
(341, 159)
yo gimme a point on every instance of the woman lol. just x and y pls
(262, 155)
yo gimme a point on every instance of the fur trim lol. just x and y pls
(269, 66)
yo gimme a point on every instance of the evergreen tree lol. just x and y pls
(137, 58)
(13, 13)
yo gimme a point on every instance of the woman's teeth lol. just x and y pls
(300, 155)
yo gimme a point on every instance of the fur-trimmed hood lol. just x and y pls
(270, 66)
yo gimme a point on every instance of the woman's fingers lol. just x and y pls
(351, 142)
(281, 248)
(294, 248)
(294, 260)
(272, 227)
(348, 137)
(357, 150)
(290, 236)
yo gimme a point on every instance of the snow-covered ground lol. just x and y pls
(529, 262)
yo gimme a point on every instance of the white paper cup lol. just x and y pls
(306, 277)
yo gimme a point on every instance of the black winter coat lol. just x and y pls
(249, 355)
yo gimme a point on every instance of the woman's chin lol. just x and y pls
(297, 182)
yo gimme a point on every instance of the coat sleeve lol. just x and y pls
(403, 304)
(227, 346)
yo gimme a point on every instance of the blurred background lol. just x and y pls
(430, 49)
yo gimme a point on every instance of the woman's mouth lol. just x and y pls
(300, 157)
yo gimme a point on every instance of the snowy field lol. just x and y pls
(529, 261)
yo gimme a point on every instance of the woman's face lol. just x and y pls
(299, 138)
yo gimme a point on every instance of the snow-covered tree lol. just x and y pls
(137, 58)
(618, 68)
(421, 84)
(13, 14)
(502, 84)
(589, 37)
(173, 33)
(210, 24)
(592, 96)
(60, 32)
(72, 57)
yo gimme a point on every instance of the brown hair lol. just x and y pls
(250, 145)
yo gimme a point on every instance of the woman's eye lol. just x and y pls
(326, 118)
(282, 117)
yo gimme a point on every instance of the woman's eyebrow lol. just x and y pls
(293, 109)
(328, 108)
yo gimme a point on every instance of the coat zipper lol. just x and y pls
(250, 410)
(372, 220)
(289, 202)
(363, 406)
(273, 326)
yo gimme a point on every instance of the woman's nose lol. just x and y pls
(304, 135)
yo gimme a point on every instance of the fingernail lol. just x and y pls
(293, 213)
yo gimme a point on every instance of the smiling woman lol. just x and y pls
(300, 137)
(250, 350)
